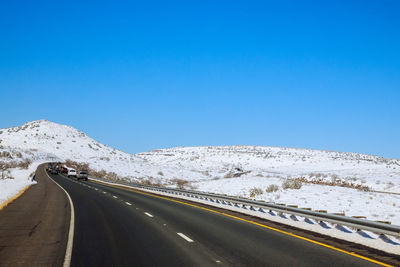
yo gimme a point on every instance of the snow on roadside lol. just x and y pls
(352, 202)
(21, 179)
(16, 168)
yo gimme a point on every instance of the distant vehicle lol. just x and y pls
(64, 170)
(82, 175)
(53, 171)
(48, 168)
(71, 173)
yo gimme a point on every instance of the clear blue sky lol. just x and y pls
(154, 74)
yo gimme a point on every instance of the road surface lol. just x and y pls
(33, 228)
(117, 227)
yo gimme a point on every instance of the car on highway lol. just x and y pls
(82, 175)
(48, 168)
(53, 171)
(71, 173)
(63, 170)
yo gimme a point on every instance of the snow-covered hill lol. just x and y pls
(329, 180)
(65, 143)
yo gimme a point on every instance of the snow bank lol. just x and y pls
(21, 179)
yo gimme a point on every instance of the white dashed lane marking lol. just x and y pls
(115, 197)
(127, 203)
(148, 214)
(185, 237)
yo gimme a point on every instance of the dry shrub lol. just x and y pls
(272, 188)
(146, 182)
(78, 166)
(98, 174)
(292, 184)
(180, 183)
(5, 154)
(336, 182)
(112, 176)
(256, 191)
(15, 164)
(24, 164)
(150, 181)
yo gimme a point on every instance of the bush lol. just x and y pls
(24, 164)
(272, 188)
(256, 191)
(291, 184)
(112, 176)
(6, 154)
(180, 183)
(77, 165)
(160, 173)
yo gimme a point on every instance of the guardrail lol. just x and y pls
(359, 224)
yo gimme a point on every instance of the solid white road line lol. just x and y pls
(68, 252)
(185, 237)
(127, 203)
(148, 214)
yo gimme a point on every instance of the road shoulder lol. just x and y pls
(34, 227)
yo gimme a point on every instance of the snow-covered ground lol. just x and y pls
(329, 179)
(20, 179)
(16, 169)
(208, 169)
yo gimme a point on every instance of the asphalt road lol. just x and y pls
(117, 227)
(33, 227)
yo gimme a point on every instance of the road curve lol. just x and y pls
(117, 227)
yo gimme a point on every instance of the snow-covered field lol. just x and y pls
(208, 169)
(329, 179)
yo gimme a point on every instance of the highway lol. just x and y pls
(117, 227)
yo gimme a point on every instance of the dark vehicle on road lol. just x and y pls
(82, 175)
(53, 171)
(49, 166)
